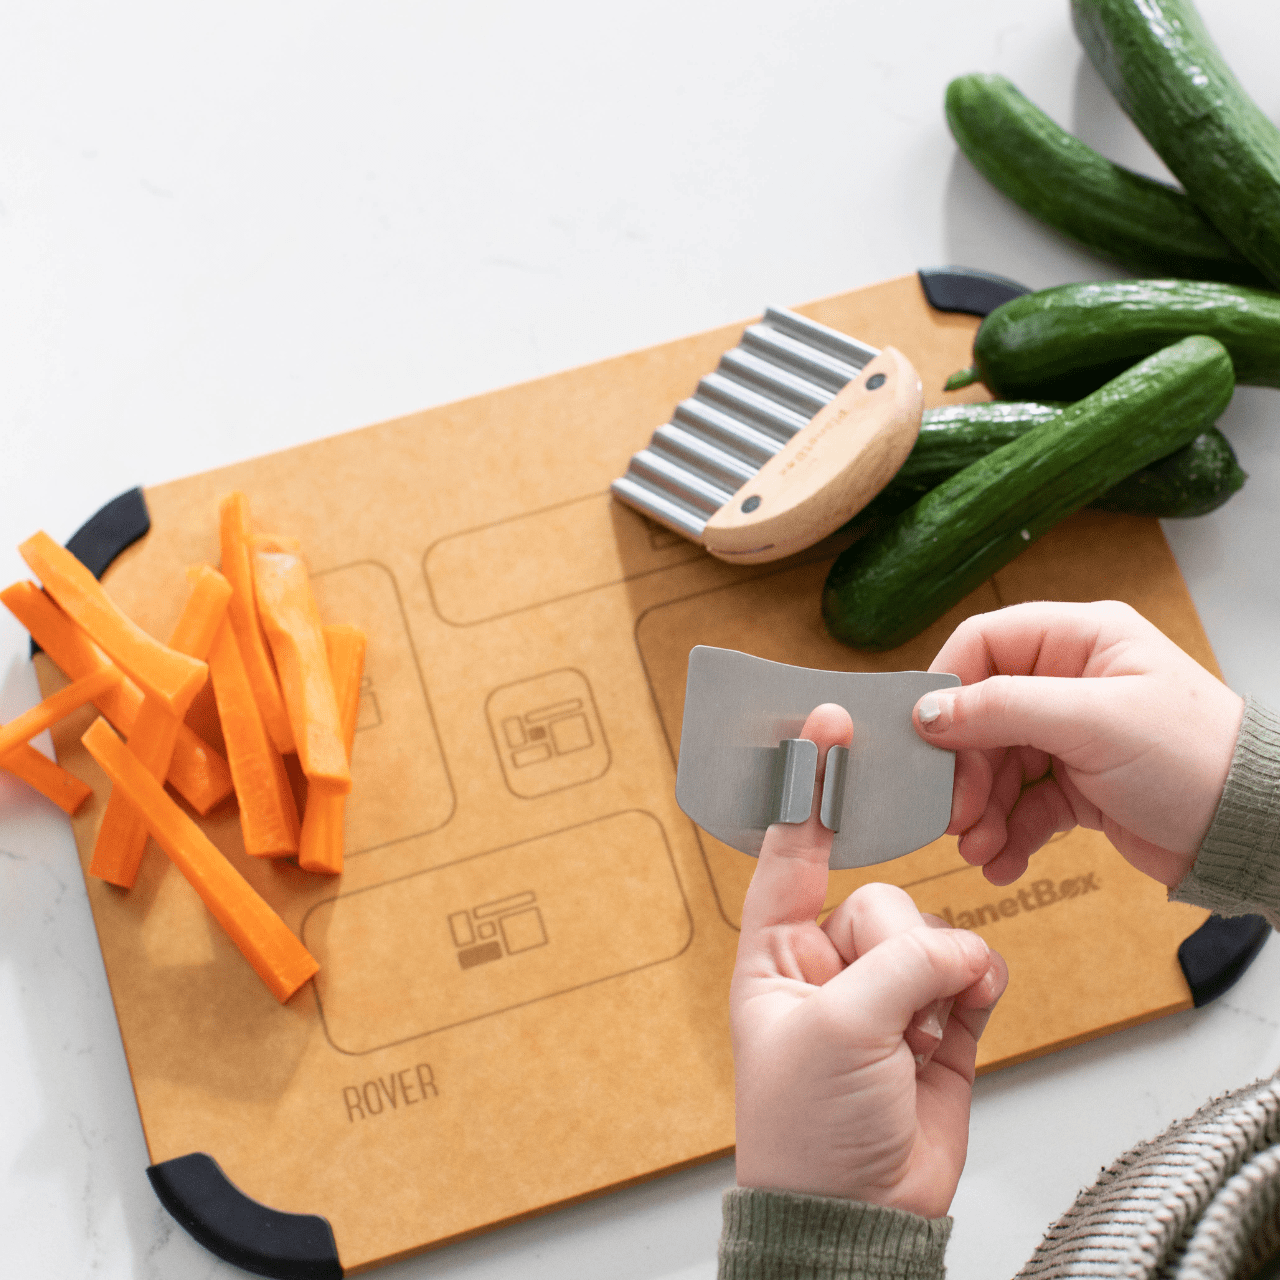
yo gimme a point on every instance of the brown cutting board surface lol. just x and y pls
(524, 967)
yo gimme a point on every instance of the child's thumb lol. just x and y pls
(887, 985)
(1051, 713)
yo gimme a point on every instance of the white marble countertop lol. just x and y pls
(230, 229)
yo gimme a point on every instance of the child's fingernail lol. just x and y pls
(974, 945)
(930, 1023)
(933, 713)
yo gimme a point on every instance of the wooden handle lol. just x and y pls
(828, 471)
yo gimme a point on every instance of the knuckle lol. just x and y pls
(870, 899)
(987, 700)
(1113, 608)
(923, 944)
(1117, 614)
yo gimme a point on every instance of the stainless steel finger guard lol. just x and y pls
(742, 766)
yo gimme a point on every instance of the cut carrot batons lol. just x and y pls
(172, 677)
(320, 846)
(233, 528)
(51, 780)
(198, 772)
(202, 616)
(345, 648)
(122, 837)
(278, 957)
(292, 623)
(268, 813)
(24, 727)
(70, 649)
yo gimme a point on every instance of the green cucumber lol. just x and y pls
(1167, 74)
(1144, 225)
(896, 581)
(1062, 343)
(957, 434)
(1191, 481)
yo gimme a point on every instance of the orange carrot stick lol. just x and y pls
(51, 780)
(24, 727)
(281, 961)
(70, 649)
(233, 516)
(172, 677)
(198, 772)
(320, 845)
(292, 623)
(207, 605)
(122, 837)
(268, 814)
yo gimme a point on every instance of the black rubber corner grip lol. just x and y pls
(106, 533)
(1220, 950)
(266, 1242)
(975, 293)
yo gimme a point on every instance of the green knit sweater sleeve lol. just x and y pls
(781, 1235)
(1237, 870)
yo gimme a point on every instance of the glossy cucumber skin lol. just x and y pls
(957, 434)
(1167, 74)
(1191, 481)
(891, 585)
(1145, 225)
(1065, 342)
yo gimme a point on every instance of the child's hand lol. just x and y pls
(1139, 748)
(830, 1022)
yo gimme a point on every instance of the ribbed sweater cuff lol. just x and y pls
(1237, 870)
(780, 1235)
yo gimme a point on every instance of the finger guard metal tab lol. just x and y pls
(794, 773)
(833, 787)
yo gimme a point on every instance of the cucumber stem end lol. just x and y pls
(961, 378)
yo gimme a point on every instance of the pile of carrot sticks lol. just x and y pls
(283, 683)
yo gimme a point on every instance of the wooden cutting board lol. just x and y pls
(524, 967)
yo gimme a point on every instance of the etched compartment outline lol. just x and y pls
(426, 701)
(695, 549)
(519, 1004)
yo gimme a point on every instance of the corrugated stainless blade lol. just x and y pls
(813, 334)
(750, 406)
(705, 420)
(688, 486)
(692, 450)
(810, 363)
(786, 368)
(774, 381)
(661, 507)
